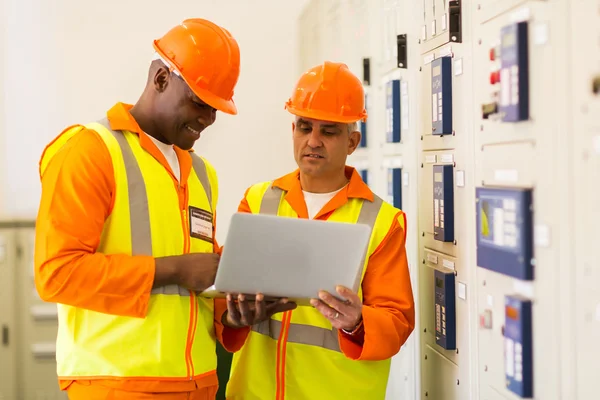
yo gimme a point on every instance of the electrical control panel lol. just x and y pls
(507, 107)
(514, 72)
(394, 179)
(393, 128)
(441, 96)
(505, 231)
(518, 345)
(443, 203)
(445, 309)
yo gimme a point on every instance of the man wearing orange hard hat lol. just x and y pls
(125, 235)
(335, 349)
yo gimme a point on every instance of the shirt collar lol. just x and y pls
(357, 188)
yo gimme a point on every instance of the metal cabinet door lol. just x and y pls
(8, 343)
(38, 322)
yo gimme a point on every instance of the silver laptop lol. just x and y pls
(290, 257)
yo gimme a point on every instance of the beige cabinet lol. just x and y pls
(28, 325)
(8, 331)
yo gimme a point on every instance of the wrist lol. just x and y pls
(165, 271)
(225, 321)
(357, 329)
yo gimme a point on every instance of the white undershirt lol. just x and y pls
(170, 155)
(316, 201)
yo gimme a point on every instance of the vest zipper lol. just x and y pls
(193, 304)
(281, 350)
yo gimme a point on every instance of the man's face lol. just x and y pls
(321, 147)
(183, 115)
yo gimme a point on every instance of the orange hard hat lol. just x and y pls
(207, 57)
(329, 92)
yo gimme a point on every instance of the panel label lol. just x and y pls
(506, 175)
(448, 264)
(447, 158)
(432, 258)
(431, 159)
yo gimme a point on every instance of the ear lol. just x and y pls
(354, 141)
(161, 79)
(293, 127)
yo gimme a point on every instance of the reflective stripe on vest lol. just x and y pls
(301, 333)
(141, 236)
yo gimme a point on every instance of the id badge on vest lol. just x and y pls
(201, 224)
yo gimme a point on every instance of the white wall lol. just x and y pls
(3, 29)
(68, 61)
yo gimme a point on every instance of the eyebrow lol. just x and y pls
(303, 121)
(330, 126)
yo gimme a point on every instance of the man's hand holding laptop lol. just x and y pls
(244, 312)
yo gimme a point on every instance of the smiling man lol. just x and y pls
(125, 236)
(334, 349)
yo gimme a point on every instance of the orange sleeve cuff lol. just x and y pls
(384, 334)
(381, 339)
(232, 339)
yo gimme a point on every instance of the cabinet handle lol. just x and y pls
(5, 335)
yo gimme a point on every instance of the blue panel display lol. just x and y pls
(363, 129)
(445, 310)
(392, 92)
(443, 203)
(441, 96)
(518, 346)
(395, 187)
(364, 174)
(505, 231)
(514, 73)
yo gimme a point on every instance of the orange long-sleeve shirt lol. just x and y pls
(388, 303)
(78, 188)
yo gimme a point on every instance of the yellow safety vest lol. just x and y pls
(176, 339)
(296, 355)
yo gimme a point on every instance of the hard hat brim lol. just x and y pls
(226, 106)
(323, 116)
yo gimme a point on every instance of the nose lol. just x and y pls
(314, 139)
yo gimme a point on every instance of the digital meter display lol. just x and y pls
(364, 174)
(445, 309)
(393, 127)
(505, 231)
(441, 96)
(518, 345)
(514, 73)
(395, 187)
(443, 203)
